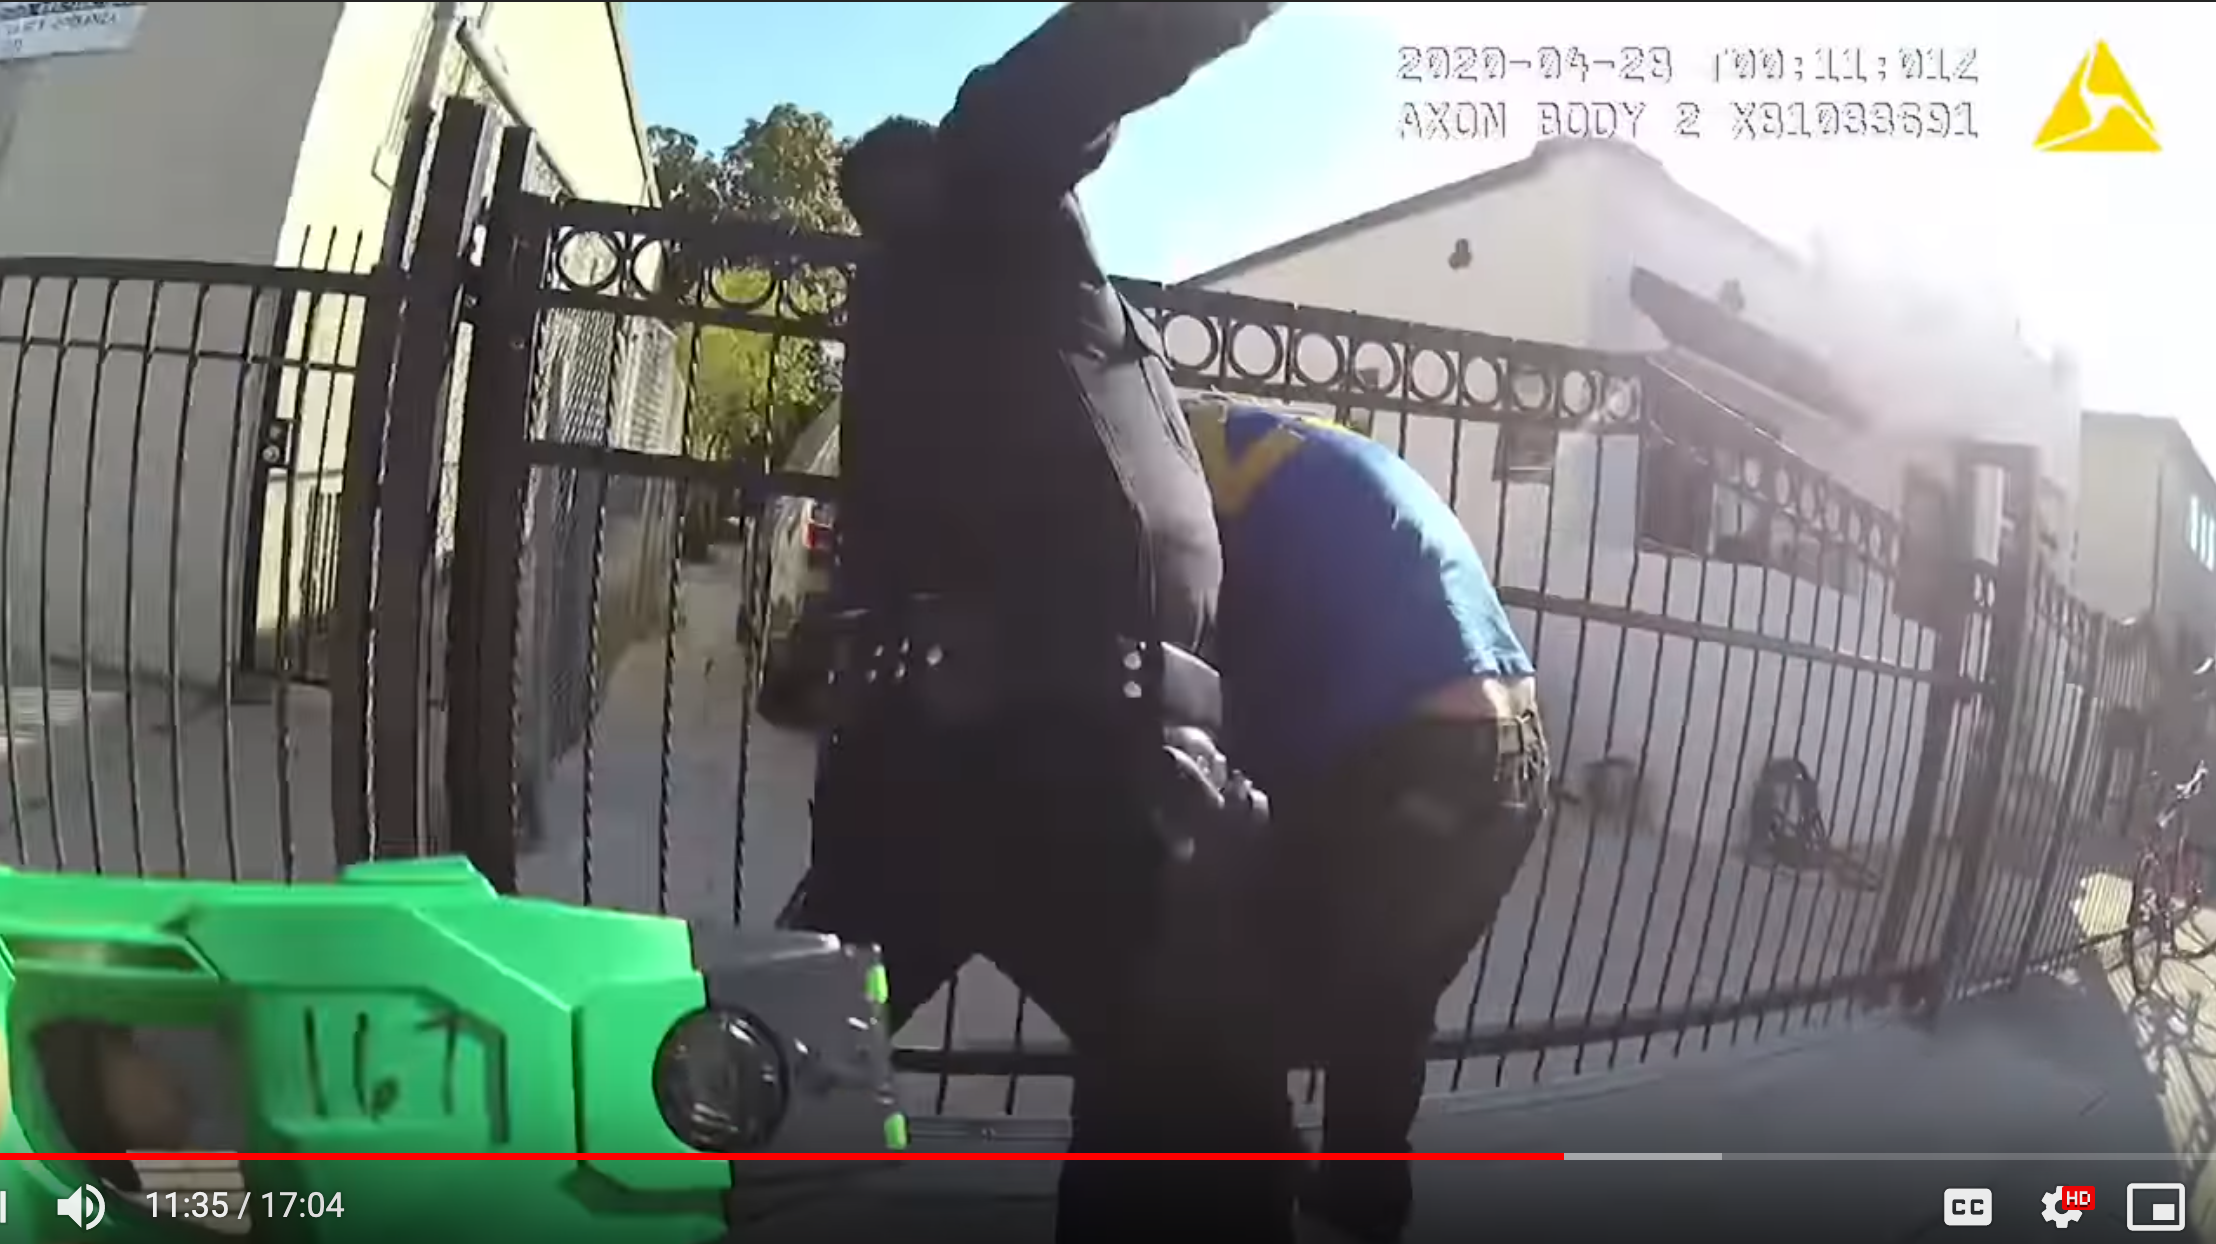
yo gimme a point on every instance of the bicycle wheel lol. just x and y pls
(2189, 936)
(2147, 938)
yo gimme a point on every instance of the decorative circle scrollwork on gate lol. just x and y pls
(1303, 355)
(739, 274)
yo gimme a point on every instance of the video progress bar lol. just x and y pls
(1967, 1157)
(1890, 1157)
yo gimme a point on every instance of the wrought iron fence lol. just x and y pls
(171, 457)
(1820, 752)
(1796, 726)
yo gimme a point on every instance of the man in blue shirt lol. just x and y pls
(1374, 688)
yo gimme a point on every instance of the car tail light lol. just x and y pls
(819, 537)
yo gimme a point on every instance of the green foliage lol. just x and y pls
(753, 392)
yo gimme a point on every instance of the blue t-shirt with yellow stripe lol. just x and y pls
(1351, 590)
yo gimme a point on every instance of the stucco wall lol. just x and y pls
(135, 407)
(178, 147)
(561, 61)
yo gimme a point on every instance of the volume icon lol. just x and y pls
(85, 1207)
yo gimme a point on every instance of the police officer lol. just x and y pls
(1027, 559)
(1373, 686)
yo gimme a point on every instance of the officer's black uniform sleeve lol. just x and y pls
(1040, 119)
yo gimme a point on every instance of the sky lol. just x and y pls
(2111, 258)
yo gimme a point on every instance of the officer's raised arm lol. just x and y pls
(1041, 118)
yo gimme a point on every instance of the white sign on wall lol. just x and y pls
(29, 31)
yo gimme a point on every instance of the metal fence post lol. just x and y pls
(1943, 708)
(353, 589)
(2003, 676)
(2050, 863)
(408, 497)
(493, 481)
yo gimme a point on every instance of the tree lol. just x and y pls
(753, 392)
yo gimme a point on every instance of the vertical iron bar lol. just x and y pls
(2051, 856)
(1608, 744)
(1730, 819)
(8, 496)
(227, 567)
(1551, 831)
(84, 574)
(596, 684)
(1886, 687)
(131, 776)
(2020, 804)
(282, 673)
(1640, 486)
(2011, 618)
(267, 424)
(1708, 766)
(415, 443)
(685, 410)
(1840, 892)
(1945, 703)
(491, 481)
(1709, 469)
(1486, 944)
(45, 575)
(173, 583)
(1569, 737)
(1779, 514)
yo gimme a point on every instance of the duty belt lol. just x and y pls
(960, 662)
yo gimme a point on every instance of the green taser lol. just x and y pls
(408, 1008)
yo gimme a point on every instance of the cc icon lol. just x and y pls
(1969, 1207)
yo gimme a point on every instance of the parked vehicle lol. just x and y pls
(796, 648)
(803, 546)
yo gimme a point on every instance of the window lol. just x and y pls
(1722, 509)
(1676, 499)
(1920, 588)
(2200, 532)
(1524, 454)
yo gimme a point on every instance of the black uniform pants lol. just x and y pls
(1028, 841)
(1387, 874)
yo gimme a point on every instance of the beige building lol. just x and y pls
(183, 439)
(230, 131)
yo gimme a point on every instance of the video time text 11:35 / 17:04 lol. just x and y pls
(244, 1206)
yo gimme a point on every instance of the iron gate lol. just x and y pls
(1700, 602)
(565, 692)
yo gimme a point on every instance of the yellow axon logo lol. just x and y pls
(2098, 111)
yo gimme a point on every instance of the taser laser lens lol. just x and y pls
(721, 1082)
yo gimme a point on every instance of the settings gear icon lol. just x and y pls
(2050, 1209)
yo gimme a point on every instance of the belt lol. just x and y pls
(962, 662)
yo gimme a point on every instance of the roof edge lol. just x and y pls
(631, 102)
(1499, 177)
(1494, 178)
